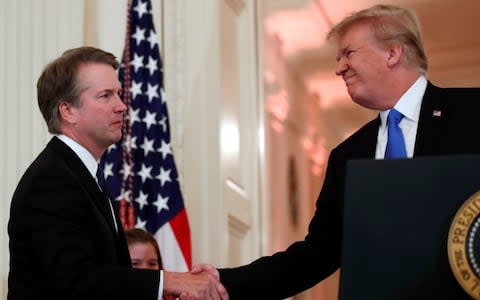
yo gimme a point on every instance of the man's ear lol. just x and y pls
(394, 54)
(67, 112)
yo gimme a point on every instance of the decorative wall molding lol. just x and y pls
(175, 74)
(236, 5)
(34, 32)
(237, 227)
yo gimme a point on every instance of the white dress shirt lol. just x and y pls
(409, 105)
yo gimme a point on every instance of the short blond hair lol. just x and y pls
(390, 23)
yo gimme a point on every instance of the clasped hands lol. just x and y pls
(202, 282)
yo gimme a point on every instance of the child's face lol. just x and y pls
(143, 256)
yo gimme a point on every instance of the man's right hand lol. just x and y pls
(199, 268)
(193, 286)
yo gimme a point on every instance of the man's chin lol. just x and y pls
(359, 100)
(352, 94)
(116, 139)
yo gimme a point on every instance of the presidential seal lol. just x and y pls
(464, 246)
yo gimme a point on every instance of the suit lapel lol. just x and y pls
(366, 144)
(123, 253)
(431, 122)
(103, 203)
(371, 143)
(86, 180)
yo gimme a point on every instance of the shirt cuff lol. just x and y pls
(160, 286)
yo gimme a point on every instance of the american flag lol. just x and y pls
(140, 170)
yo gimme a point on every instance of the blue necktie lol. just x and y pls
(107, 205)
(395, 143)
(100, 178)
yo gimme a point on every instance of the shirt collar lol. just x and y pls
(409, 103)
(85, 156)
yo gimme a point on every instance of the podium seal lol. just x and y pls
(464, 246)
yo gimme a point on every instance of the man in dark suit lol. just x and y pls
(383, 63)
(65, 240)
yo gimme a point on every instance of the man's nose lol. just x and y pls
(121, 106)
(341, 67)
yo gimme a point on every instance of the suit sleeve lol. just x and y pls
(304, 263)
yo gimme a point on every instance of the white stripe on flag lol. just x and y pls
(172, 257)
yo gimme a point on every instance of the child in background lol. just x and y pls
(144, 250)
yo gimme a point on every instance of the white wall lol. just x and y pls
(32, 33)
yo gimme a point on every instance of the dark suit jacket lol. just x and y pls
(63, 244)
(307, 262)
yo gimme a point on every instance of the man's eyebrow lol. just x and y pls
(341, 52)
(112, 90)
(107, 90)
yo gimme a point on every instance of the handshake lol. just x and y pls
(202, 282)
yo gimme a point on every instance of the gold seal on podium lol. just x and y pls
(464, 246)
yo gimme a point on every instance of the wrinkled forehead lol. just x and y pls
(354, 36)
(358, 29)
